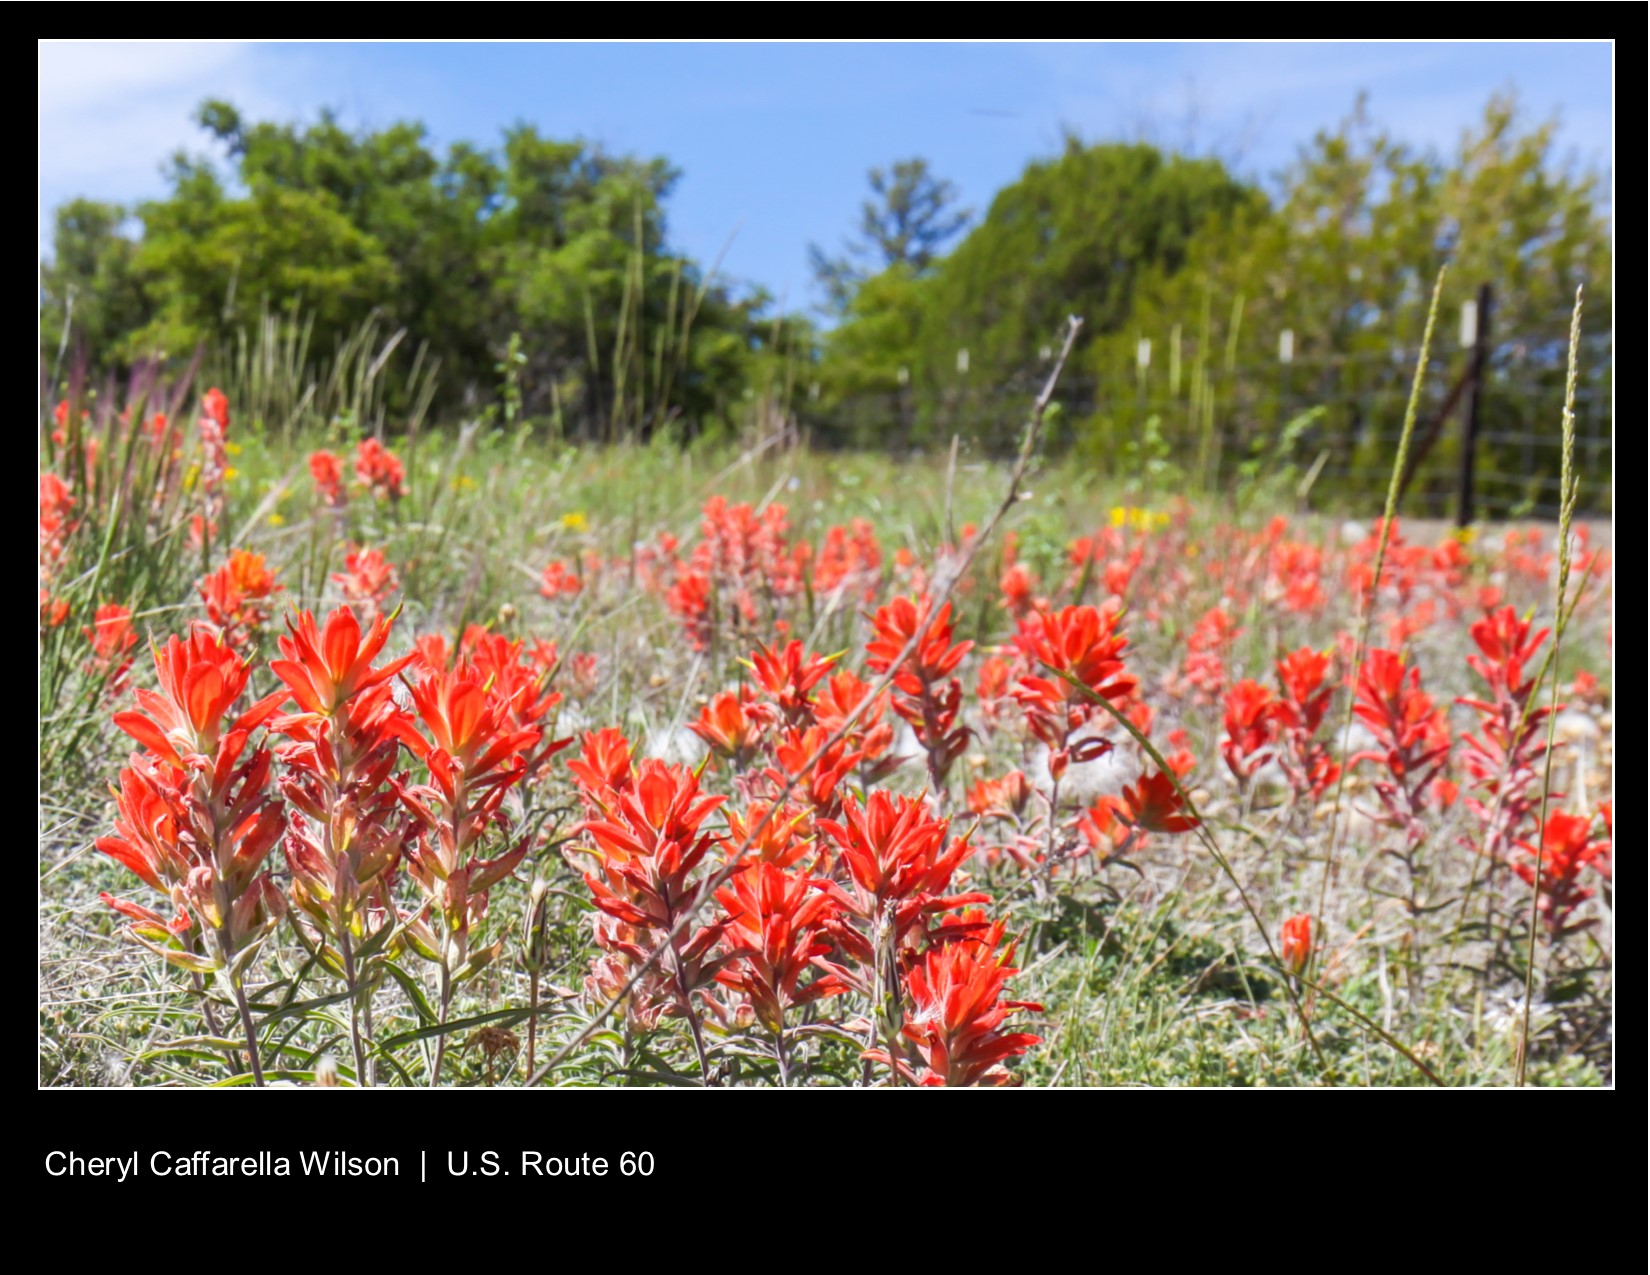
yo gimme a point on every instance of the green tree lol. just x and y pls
(1073, 235)
(909, 219)
(93, 296)
(556, 243)
(1344, 261)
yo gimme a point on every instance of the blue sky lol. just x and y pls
(774, 140)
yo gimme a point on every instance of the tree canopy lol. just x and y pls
(555, 256)
(558, 240)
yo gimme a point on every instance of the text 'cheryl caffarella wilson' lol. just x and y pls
(204, 1164)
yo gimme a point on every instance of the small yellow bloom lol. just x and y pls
(1466, 535)
(191, 476)
(1119, 515)
(231, 474)
(463, 482)
(574, 521)
(275, 520)
(233, 448)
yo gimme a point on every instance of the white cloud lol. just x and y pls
(113, 112)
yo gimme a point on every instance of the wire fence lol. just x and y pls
(1322, 432)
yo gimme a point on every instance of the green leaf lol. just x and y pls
(504, 1017)
(301, 1007)
(415, 993)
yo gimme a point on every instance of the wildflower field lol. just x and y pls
(475, 759)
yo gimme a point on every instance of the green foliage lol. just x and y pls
(1071, 236)
(325, 229)
(90, 282)
(1343, 261)
(909, 220)
(280, 261)
(1176, 252)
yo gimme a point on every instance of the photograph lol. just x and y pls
(818, 565)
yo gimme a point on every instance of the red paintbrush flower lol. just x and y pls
(323, 669)
(1413, 736)
(53, 611)
(326, 471)
(957, 1015)
(819, 774)
(870, 736)
(1004, 798)
(1303, 674)
(468, 725)
(648, 846)
(1567, 846)
(934, 658)
(928, 696)
(899, 866)
(784, 840)
(56, 526)
(112, 637)
(1507, 645)
(1299, 715)
(367, 580)
(150, 825)
(236, 593)
(200, 680)
(848, 560)
(342, 749)
(1295, 943)
(789, 675)
(1082, 643)
(728, 729)
(215, 407)
(1251, 714)
(194, 820)
(775, 929)
(602, 770)
(379, 470)
(1155, 805)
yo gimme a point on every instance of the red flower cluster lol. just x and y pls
(112, 637)
(343, 745)
(927, 695)
(559, 582)
(1082, 646)
(1251, 723)
(1412, 733)
(236, 596)
(956, 1023)
(379, 470)
(1299, 715)
(1503, 757)
(367, 580)
(196, 816)
(1567, 845)
(326, 471)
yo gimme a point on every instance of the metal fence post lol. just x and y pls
(1464, 511)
